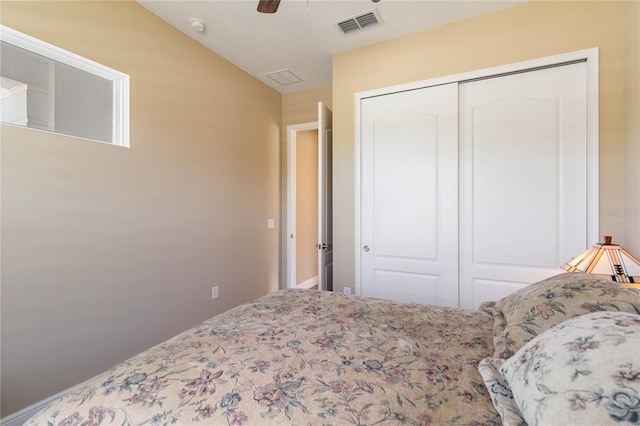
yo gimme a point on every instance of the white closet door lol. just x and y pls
(409, 228)
(523, 205)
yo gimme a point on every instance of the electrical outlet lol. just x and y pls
(214, 292)
(347, 290)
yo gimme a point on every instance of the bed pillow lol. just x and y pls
(583, 371)
(501, 395)
(524, 314)
(499, 327)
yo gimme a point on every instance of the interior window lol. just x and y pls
(47, 88)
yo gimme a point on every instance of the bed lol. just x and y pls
(305, 357)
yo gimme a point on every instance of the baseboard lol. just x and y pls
(308, 283)
(20, 418)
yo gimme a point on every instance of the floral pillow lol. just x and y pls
(524, 314)
(501, 394)
(499, 327)
(583, 371)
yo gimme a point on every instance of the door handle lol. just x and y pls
(365, 249)
(324, 246)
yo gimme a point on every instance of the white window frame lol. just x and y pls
(120, 124)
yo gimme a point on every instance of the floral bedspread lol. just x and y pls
(300, 357)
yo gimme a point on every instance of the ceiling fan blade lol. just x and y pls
(268, 6)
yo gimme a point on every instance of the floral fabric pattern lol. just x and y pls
(300, 357)
(524, 314)
(501, 394)
(583, 371)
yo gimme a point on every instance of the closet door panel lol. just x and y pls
(409, 196)
(515, 182)
(523, 213)
(405, 218)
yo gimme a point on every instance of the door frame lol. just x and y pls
(291, 237)
(590, 56)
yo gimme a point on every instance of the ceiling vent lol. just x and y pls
(358, 23)
(284, 77)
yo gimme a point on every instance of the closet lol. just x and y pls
(471, 188)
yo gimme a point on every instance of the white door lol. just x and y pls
(409, 219)
(523, 205)
(325, 205)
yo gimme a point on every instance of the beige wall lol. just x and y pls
(306, 205)
(302, 107)
(297, 108)
(106, 250)
(523, 32)
(632, 137)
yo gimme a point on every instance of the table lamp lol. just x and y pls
(608, 261)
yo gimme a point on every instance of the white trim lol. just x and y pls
(20, 417)
(120, 126)
(593, 146)
(308, 283)
(291, 236)
(357, 284)
(591, 56)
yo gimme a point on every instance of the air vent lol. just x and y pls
(284, 77)
(359, 22)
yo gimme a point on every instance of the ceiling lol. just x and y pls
(302, 35)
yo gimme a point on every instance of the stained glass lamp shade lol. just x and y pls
(609, 261)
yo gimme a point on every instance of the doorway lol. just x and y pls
(306, 209)
(309, 194)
